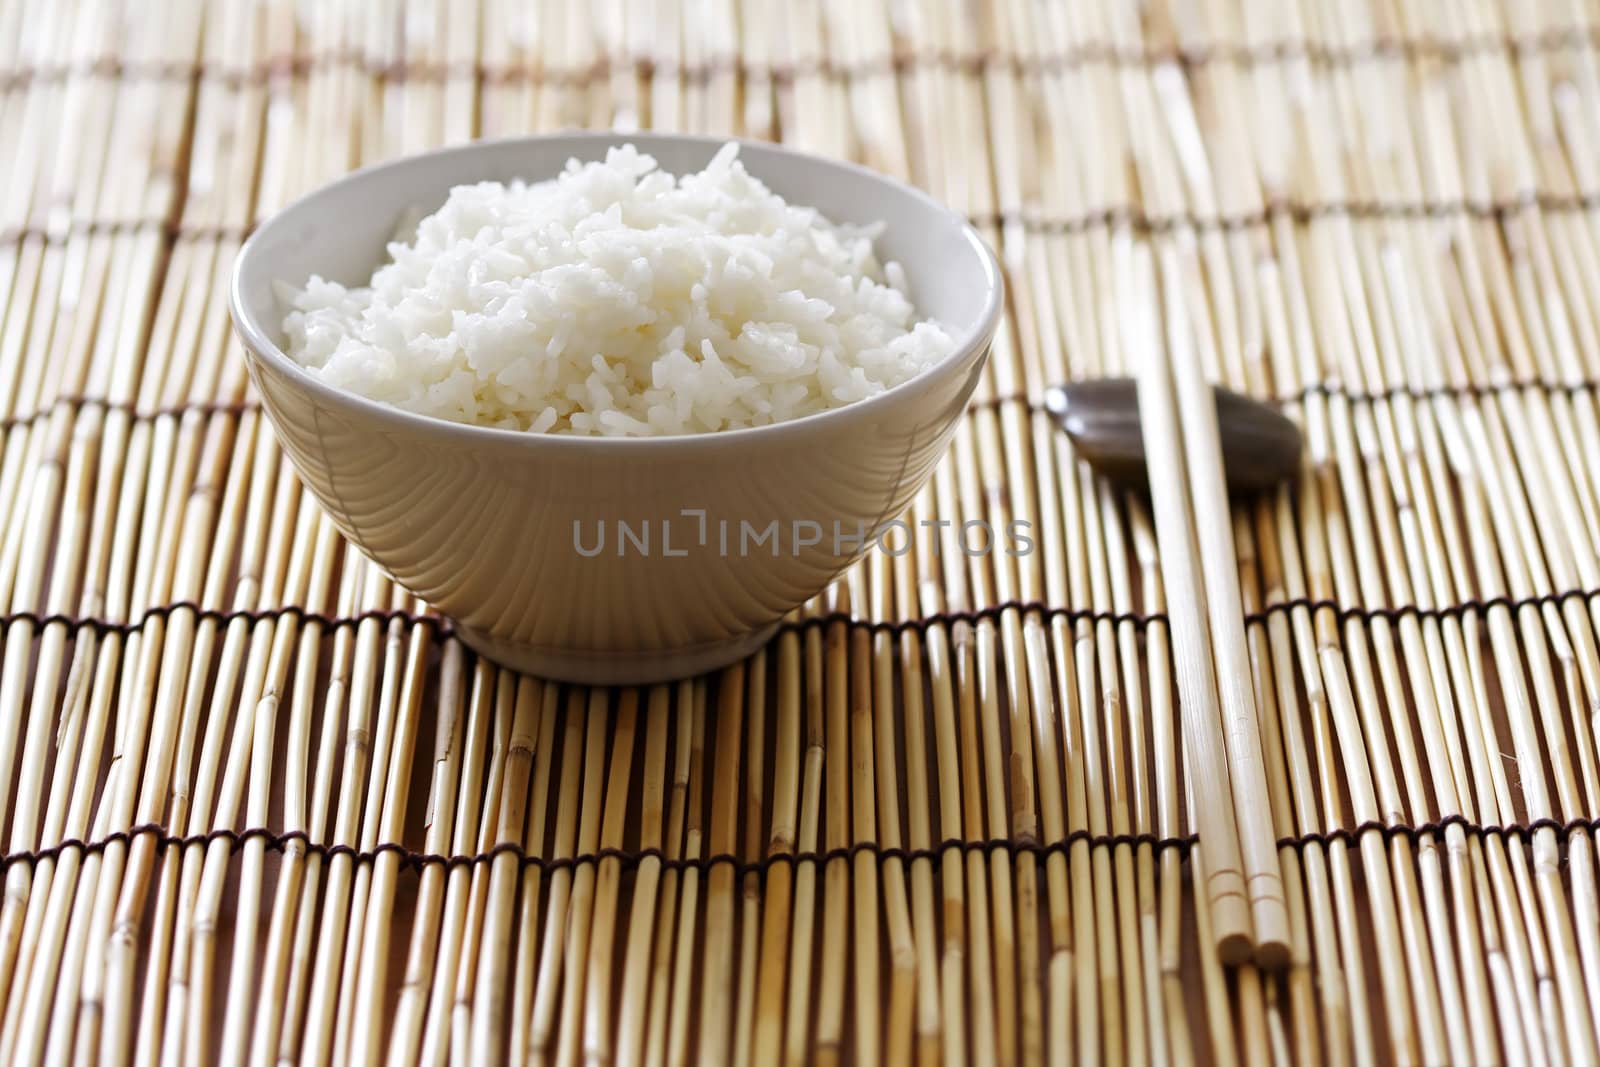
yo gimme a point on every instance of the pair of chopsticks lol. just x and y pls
(1237, 858)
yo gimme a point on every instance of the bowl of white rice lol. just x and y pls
(616, 404)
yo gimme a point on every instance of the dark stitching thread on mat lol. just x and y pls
(992, 613)
(1472, 390)
(1357, 613)
(1421, 46)
(1098, 219)
(171, 228)
(179, 410)
(1328, 389)
(1297, 210)
(1449, 611)
(216, 615)
(1350, 835)
(280, 841)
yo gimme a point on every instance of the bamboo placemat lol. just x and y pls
(260, 806)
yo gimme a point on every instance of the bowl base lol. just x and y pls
(612, 668)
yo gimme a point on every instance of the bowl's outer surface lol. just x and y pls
(498, 530)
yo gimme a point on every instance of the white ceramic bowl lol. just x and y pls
(495, 527)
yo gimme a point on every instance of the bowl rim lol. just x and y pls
(256, 338)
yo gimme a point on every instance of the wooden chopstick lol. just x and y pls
(1225, 889)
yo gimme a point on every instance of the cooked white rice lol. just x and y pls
(618, 300)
